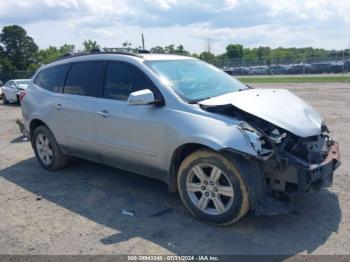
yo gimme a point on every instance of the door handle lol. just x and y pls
(104, 113)
(59, 106)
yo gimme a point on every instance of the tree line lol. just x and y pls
(19, 52)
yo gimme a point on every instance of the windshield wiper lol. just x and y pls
(195, 101)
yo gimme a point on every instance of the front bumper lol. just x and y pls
(319, 175)
(295, 177)
(289, 174)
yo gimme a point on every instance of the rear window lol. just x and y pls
(84, 78)
(52, 79)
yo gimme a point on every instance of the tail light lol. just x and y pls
(21, 95)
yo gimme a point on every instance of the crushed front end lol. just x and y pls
(300, 164)
(289, 164)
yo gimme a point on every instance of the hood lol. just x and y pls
(277, 106)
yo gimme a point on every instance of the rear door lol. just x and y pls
(75, 108)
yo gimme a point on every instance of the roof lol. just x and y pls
(164, 57)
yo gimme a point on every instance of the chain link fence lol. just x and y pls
(5, 76)
(295, 65)
(332, 63)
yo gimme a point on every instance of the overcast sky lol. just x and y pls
(287, 23)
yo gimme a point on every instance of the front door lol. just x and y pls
(129, 136)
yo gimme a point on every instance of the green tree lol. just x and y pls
(234, 51)
(157, 50)
(18, 47)
(180, 50)
(90, 45)
(49, 54)
(66, 48)
(207, 57)
(170, 49)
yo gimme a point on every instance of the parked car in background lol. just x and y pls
(278, 69)
(258, 70)
(12, 89)
(225, 147)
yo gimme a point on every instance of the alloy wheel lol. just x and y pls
(44, 149)
(209, 189)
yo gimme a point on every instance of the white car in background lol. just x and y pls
(12, 89)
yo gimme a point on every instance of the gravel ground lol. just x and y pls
(78, 210)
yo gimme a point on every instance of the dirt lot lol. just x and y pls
(79, 210)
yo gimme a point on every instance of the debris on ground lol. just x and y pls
(128, 213)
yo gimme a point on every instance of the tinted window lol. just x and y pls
(52, 79)
(123, 79)
(84, 79)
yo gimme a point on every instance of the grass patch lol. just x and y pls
(295, 79)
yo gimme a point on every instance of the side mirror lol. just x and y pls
(142, 97)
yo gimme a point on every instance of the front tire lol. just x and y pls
(212, 188)
(47, 150)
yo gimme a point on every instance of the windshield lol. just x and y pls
(195, 80)
(23, 82)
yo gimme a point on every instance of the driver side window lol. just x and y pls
(123, 78)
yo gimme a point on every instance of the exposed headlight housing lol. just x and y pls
(254, 138)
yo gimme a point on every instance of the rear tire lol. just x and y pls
(4, 99)
(221, 195)
(47, 150)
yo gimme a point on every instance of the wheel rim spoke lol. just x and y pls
(219, 205)
(225, 191)
(193, 187)
(199, 172)
(41, 139)
(49, 152)
(41, 154)
(215, 174)
(202, 202)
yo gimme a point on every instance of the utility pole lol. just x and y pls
(143, 42)
(209, 47)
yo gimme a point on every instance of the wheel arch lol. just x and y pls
(252, 175)
(178, 156)
(35, 123)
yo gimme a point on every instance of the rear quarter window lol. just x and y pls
(52, 79)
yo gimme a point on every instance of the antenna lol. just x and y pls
(143, 42)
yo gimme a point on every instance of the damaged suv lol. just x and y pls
(225, 147)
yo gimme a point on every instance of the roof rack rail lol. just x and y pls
(143, 51)
(94, 52)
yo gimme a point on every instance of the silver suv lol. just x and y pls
(225, 147)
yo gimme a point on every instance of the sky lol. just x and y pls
(274, 23)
